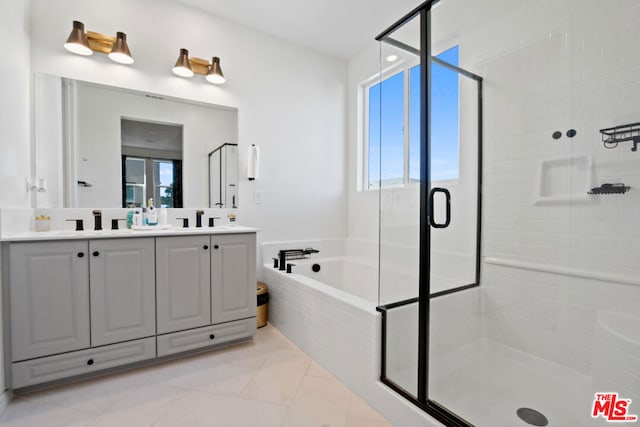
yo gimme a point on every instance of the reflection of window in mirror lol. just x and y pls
(151, 163)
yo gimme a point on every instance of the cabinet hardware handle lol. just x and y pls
(205, 247)
(211, 336)
(80, 254)
(96, 253)
(90, 362)
(215, 246)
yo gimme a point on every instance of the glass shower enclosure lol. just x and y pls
(502, 143)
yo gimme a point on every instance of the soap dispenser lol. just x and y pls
(151, 218)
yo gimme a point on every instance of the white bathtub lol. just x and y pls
(331, 315)
(354, 276)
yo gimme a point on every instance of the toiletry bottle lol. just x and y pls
(130, 218)
(151, 218)
(137, 217)
(232, 219)
(164, 216)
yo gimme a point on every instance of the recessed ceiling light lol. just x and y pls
(392, 58)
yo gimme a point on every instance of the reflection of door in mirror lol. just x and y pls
(223, 176)
(151, 163)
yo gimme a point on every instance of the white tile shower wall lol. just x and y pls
(552, 66)
(616, 363)
(553, 316)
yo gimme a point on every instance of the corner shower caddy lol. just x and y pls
(611, 137)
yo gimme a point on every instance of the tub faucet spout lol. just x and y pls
(282, 255)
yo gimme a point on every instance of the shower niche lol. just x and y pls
(565, 179)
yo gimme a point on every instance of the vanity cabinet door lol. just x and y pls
(233, 280)
(122, 282)
(49, 298)
(183, 271)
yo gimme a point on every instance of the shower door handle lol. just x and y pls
(447, 196)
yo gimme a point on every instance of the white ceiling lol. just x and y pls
(338, 27)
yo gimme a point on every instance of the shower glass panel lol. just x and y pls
(450, 182)
(398, 93)
(545, 331)
(555, 319)
(394, 170)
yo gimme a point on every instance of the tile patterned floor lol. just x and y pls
(267, 382)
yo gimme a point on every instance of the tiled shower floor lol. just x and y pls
(267, 382)
(486, 382)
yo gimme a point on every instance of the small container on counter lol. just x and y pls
(43, 223)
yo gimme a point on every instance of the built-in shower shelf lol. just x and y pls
(564, 179)
(618, 188)
(611, 137)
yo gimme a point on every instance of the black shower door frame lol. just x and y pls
(422, 400)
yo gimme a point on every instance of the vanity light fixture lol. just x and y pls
(120, 52)
(82, 43)
(186, 67)
(183, 65)
(215, 75)
(77, 41)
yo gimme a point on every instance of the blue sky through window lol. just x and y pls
(386, 125)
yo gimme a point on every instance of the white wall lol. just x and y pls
(290, 100)
(15, 163)
(15, 151)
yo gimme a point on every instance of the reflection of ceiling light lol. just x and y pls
(392, 58)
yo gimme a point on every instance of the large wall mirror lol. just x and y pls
(120, 147)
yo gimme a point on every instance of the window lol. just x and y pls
(392, 151)
(164, 186)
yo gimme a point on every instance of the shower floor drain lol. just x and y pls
(531, 416)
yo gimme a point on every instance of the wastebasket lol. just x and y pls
(262, 312)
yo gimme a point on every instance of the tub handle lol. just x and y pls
(289, 267)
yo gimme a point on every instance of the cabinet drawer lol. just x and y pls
(52, 368)
(192, 339)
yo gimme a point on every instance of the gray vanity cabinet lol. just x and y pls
(49, 298)
(78, 307)
(183, 268)
(233, 277)
(122, 283)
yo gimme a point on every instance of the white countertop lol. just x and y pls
(111, 234)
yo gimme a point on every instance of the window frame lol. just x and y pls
(402, 66)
